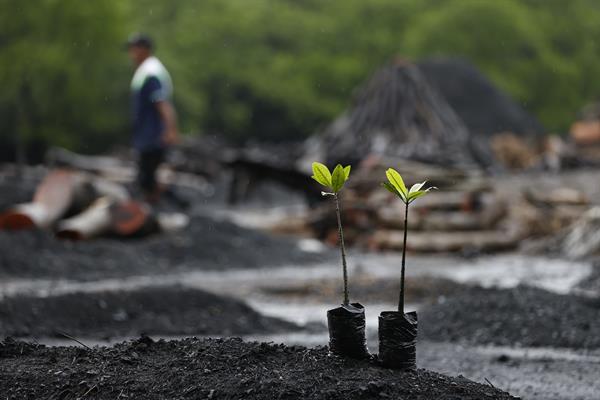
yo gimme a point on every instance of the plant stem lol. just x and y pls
(342, 248)
(401, 299)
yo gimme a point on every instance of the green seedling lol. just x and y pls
(395, 185)
(334, 181)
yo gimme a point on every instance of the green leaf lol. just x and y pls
(415, 195)
(416, 187)
(347, 171)
(321, 174)
(390, 188)
(396, 180)
(338, 178)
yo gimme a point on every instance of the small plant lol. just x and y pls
(346, 323)
(335, 182)
(397, 329)
(395, 184)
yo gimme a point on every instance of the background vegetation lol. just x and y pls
(276, 69)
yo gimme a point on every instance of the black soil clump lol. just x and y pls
(523, 316)
(214, 369)
(206, 244)
(157, 310)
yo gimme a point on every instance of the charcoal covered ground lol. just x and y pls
(214, 369)
(168, 310)
(205, 244)
(522, 316)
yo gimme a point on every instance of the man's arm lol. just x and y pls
(169, 118)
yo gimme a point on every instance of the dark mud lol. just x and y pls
(155, 310)
(523, 316)
(214, 369)
(206, 244)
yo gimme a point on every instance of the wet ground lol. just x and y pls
(214, 369)
(525, 324)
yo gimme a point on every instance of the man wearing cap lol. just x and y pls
(154, 118)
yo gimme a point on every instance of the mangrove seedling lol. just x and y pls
(398, 330)
(346, 323)
(334, 181)
(395, 184)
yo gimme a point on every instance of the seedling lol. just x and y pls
(395, 184)
(334, 181)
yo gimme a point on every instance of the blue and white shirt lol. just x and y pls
(151, 83)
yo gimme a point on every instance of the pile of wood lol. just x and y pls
(77, 205)
(396, 113)
(467, 215)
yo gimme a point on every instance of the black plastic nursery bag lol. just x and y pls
(347, 331)
(398, 340)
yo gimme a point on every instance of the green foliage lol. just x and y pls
(544, 53)
(277, 69)
(63, 71)
(395, 185)
(333, 181)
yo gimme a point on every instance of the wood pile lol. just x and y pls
(78, 205)
(467, 215)
(396, 113)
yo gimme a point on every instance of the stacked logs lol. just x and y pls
(467, 215)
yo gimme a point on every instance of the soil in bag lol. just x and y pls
(398, 340)
(347, 331)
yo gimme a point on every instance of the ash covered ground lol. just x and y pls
(486, 334)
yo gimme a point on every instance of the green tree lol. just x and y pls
(62, 71)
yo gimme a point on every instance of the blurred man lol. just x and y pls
(154, 118)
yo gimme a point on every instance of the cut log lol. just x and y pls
(445, 242)
(557, 197)
(51, 201)
(583, 238)
(94, 221)
(133, 218)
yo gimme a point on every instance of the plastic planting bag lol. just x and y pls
(398, 340)
(347, 331)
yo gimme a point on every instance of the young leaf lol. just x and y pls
(396, 180)
(347, 171)
(321, 174)
(338, 178)
(416, 187)
(415, 195)
(390, 188)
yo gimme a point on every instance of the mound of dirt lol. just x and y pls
(157, 310)
(523, 316)
(205, 244)
(214, 369)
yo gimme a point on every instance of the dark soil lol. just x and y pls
(204, 244)
(213, 369)
(523, 316)
(156, 310)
